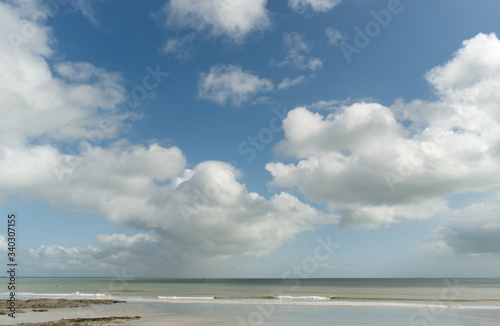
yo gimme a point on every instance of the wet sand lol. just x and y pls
(45, 308)
(56, 303)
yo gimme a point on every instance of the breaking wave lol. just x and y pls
(408, 303)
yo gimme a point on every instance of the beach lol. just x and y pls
(259, 302)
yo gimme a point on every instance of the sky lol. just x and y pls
(251, 138)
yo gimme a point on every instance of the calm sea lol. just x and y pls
(418, 301)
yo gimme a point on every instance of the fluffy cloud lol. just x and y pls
(298, 50)
(203, 211)
(93, 180)
(52, 150)
(64, 101)
(230, 18)
(475, 65)
(54, 113)
(301, 6)
(364, 162)
(212, 203)
(229, 83)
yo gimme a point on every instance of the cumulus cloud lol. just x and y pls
(63, 101)
(53, 121)
(232, 220)
(94, 180)
(234, 19)
(203, 211)
(475, 65)
(363, 161)
(302, 6)
(298, 53)
(53, 115)
(229, 83)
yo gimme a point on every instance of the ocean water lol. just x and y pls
(418, 301)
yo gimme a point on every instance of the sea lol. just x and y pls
(326, 301)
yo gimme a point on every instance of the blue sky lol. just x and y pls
(233, 138)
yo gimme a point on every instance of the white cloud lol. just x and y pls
(94, 179)
(476, 64)
(333, 36)
(60, 107)
(287, 82)
(229, 83)
(53, 117)
(301, 6)
(298, 51)
(357, 126)
(205, 210)
(211, 212)
(363, 161)
(234, 19)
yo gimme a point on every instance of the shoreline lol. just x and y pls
(42, 306)
(158, 314)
